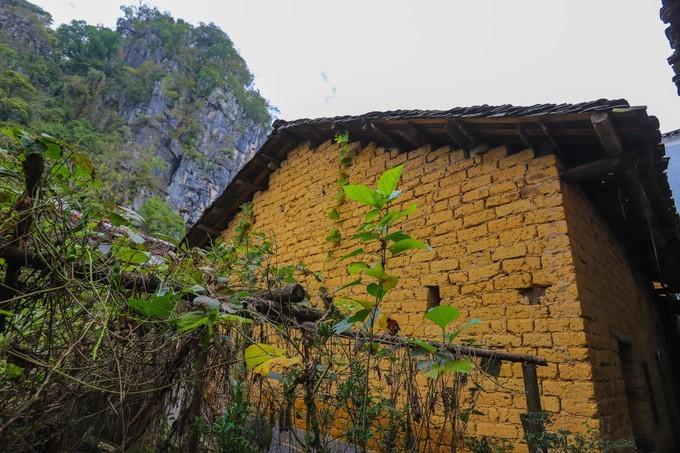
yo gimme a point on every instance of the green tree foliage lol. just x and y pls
(81, 82)
(161, 220)
(14, 88)
(83, 47)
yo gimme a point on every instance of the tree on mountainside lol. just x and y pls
(128, 94)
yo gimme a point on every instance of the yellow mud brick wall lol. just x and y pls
(616, 304)
(497, 226)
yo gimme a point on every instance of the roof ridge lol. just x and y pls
(480, 110)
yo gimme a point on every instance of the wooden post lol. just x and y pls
(531, 421)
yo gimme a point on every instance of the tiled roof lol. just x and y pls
(477, 111)
(572, 131)
(672, 135)
(670, 14)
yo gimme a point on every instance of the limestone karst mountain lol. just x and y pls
(166, 107)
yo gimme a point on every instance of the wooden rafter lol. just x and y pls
(409, 134)
(270, 162)
(594, 170)
(554, 147)
(528, 141)
(380, 133)
(606, 133)
(464, 137)
(249, 185)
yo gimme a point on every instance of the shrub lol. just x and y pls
(161, 220)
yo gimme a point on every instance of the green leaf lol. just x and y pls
(388, 219)
(258, 353)
(407, 244)
(356, 267)
(339, 197)
(376, 290)
(390, 281)
(131, 256)
(191, 321)
(234, 318)
(342, 179)
(342, 137)
(442, 315)
(333, 215)
(346, 161)
(388, 181)
(334, 236)
(410, 209)
(13, 371)
(117, 219)
(348, 322)
(361, 194)
(427, 347)
(366, 227)
(365, 237)
(347, 285)
(9, 173)
(472, 322)
(376, 271)
(458, 366)
(371, 215)
(158, 307)
(449, 366)
(82, 162)
(261, 358)
(397, 236)
(353, 253)
(393, 216)
(353, 305)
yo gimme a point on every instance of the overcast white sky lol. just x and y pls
(321, 58)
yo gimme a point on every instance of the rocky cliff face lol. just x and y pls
(222, 136)
(23, 23)
(226, 141)
(176, 100)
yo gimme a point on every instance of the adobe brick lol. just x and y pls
(517, 158)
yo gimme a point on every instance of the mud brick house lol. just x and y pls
(554, 224)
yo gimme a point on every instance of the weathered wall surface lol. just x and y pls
(619, 312)
(501, 252)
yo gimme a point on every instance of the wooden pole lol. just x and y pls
(531, 421)
(33, 167)
(606, 133)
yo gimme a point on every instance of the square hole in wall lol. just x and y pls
(433, 296)
(533, 295)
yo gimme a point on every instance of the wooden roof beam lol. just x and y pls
(554, 147)
(463, 136)
(529, 142)
(268, 161)
(250, 185)
(299, 136)
(456, 136)
(316, 138)
(594, 170)
(383, 138)
(411, 135)
(606, 133)
(643, 206)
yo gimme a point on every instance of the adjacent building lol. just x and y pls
(672, 142)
